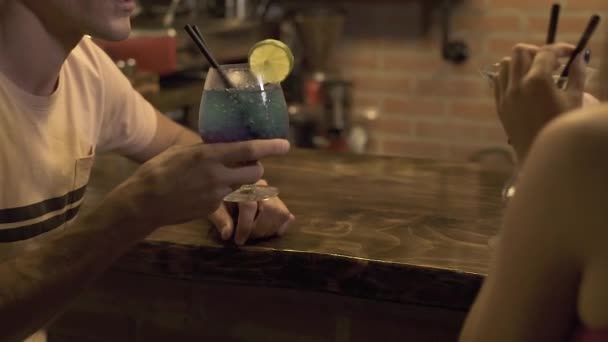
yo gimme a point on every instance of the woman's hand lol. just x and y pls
(255, 219)
(526, 93)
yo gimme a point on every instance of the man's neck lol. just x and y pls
(32, 55)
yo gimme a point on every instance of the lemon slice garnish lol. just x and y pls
(271, 60)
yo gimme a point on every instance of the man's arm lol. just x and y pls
(168, 133)
(38, 285)
(255, 220)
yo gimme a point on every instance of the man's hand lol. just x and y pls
(526, 94)
(255, 219)
(189, 182)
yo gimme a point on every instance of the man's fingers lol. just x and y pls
(235, 153)
(246, 174)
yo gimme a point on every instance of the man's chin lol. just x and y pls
(115, 32)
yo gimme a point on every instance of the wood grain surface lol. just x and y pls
(388, 229)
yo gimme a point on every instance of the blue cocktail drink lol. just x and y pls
(251, 110)
(229, 115)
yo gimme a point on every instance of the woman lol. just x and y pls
(548, 278)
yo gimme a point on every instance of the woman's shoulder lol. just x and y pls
(571, 155)
(592, 113)
(582, 130)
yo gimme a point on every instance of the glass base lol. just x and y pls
(508, 191)
(252, 193)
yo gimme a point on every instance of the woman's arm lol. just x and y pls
(531, 291)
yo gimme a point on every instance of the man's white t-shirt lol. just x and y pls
(48, 143)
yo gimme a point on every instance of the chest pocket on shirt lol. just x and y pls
(82, 170)
(82, 173)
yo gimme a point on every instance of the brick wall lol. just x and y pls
(428, 107)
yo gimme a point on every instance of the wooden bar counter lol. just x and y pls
(382, 249)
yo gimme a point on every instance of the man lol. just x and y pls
(61, 101)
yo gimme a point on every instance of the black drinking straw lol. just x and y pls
(553, 22)
(197, 37)
(199, 34)
(582, 43)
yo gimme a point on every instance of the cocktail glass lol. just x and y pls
(251, 110)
